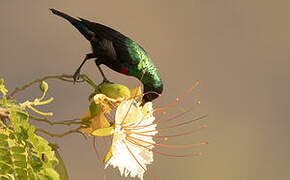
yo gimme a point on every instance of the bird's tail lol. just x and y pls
(75, 22)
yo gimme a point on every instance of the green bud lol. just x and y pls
(115, 90)
(43, 86)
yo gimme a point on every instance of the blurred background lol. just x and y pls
(239, 49)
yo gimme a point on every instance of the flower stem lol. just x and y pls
(76, 130)
(63, 77)
(65, 122)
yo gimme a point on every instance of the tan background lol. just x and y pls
(238, 48)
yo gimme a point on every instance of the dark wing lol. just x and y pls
(112, 41)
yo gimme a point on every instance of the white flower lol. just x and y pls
(132, 142)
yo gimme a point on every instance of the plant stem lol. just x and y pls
(63, 77)
(77, 130)
(66, 122)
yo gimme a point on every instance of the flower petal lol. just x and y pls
(127, 113)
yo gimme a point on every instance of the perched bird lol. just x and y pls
(118, 52)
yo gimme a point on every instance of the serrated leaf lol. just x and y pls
(20, 164)
(17, 149)
(48, 174)
(5, 169)
(21, 148)
(3, 137)
(6, 178)
(6, 159)
(36, 163)
(21, 173)
(3, 143)
(19, 157)
(4, 152)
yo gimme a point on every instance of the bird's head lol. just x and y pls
(151, 93)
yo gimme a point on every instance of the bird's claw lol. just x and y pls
(76, 75)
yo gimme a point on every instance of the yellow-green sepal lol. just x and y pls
(108, 155)
(115, 91)
(104, 131)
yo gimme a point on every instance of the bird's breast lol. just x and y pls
(124, 70)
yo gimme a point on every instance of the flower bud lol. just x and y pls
(115, 91)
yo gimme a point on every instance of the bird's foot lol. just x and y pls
(76, 75)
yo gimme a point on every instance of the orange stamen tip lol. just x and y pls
(204, 126)
(205, 143)
(199, 153)
(177, 99)
(198, 102)
(199, 81)
(166, 138)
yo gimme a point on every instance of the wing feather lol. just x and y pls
(112, 41)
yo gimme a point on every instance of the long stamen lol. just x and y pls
(138, 161)
(99, 158)
(166, 128)
(108, 116)
(105, 142)
(183, 123)
(181, 97)
(140, 81)
(158, 112)
(131, 102)
(165, 120)
(127, 112)
(158, 152)
(176, 135)
(166, 145)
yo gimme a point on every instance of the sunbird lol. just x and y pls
(118, 52)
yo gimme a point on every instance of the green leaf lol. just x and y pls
(4, 152)
(6, 158)
(17, 149)
(21, 150)
(4, 91)
(60, 167)
(3, 143)
(20, 163)
(19, 157)
(48, 174)
(3, 137)
(5, 169)
(21, 173)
